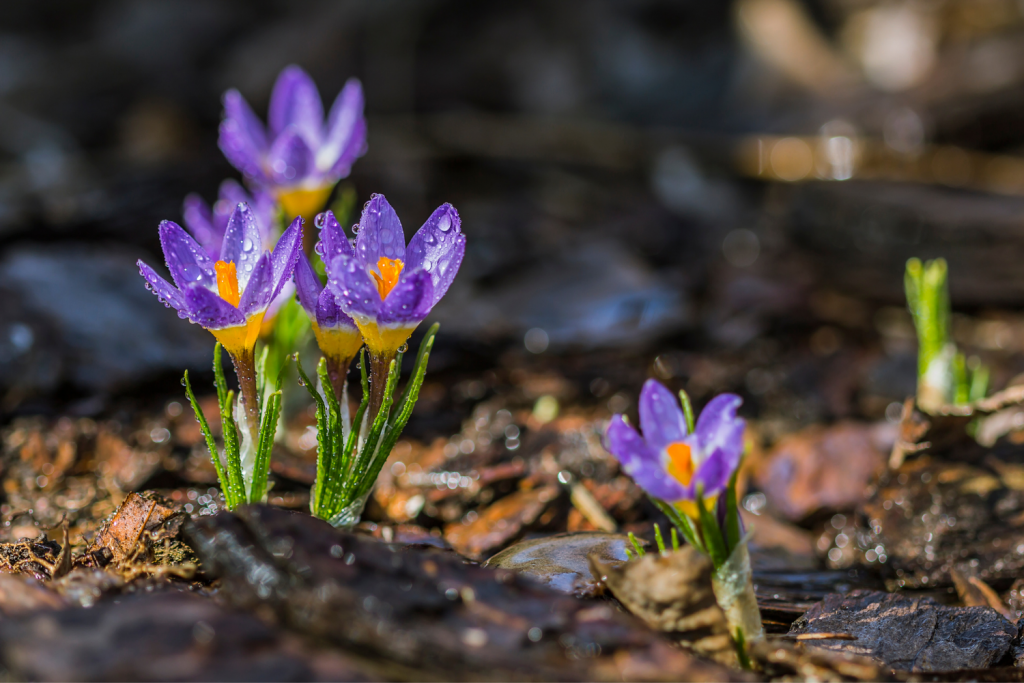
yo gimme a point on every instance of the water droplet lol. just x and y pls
(319, 248)
(445, 224)
(366, 301)
(319, 220)
(403, 348)
(427, 265)
(247, 245)
(431, 239)
(356, 228)
(182, 381)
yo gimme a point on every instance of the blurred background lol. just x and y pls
(722, 194)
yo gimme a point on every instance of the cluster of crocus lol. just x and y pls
(227, 279)
(225, 276)
(689, 470)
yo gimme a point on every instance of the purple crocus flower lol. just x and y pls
(298, 158)
(667, 462)
(228, 296)
(207, 224)
(336, 333)
(387, 287)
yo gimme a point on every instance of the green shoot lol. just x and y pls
(233, 481)
(350, 456)
(640, 552)
(943, 375)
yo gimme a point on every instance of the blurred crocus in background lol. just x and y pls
(298, 158)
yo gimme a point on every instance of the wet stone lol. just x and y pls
(423, 609)
(104, 329)
(562, 561)
(910, 633)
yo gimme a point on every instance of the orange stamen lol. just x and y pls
(227, 282)
(388, 277)
(680, 463)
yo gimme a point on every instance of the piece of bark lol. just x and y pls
(908, 633)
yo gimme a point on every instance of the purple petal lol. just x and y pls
(209, 310)
(438, 248)
(242, 138)
(200, 222)
(346, 131)
(329, 314)
(719, 428)
(714, 473)
(290, 159)
(335, 242)
(307, 285)
(242, 244)
(409, 302)
(188, 262)
(356, 148)
(642, 463)
(353, 286)
(259, 291)
(380, 233)
(167, 292)
(661, 419)
(295, 102)
(286, 255)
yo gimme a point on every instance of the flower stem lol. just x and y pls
(379, 366)
(245, 370)
(337, 371)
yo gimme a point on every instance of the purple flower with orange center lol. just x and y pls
(670, 464)
(388, 288)
(209, 224)
(228, 296)
(298, 157)
(336, 333)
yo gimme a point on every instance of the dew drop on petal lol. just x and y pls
(427, 265)
(247, 245)
(319, 248)
(445, 224)
(404, 347)
(319, 220)
(355, 229)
